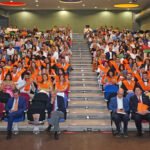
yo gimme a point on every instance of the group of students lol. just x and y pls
(35, 62)
(122, 59)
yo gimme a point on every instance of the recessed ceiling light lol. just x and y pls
(83, 5)
(70, 1)
(126, 5)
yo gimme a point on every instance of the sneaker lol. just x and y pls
(9, 135)
(118, 135)
(125, 135)
(48, 129)
(56, 136)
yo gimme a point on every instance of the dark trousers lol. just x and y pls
(117, 118)
(11, 117)
(138, 120)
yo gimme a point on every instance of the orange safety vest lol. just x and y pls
(129, 86)
(128, 68)
(137, 75)
(113, 63)
(27, 87)
(65, 67)
(61, 87)
(143, 86)
(45, 85)
(18, 75)
(105, 70)
(108, 79)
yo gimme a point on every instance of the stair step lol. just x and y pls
(84, 82)
(82, 113)
(94, 96)
(83, 76)
(79, 73)
(85, 104)
(83, 71)
(85, 88)
(82, 79)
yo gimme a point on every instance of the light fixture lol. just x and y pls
(95, 7)
(12, 3)
(70, 1)
(83, 5)
(37, 5)
(126, 5)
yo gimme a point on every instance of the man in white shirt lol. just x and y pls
(120, 112)
(10, 50)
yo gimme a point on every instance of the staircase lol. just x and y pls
(87, 109)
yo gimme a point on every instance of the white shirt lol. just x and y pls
(10, 52)
(55, 55)
(120, 103)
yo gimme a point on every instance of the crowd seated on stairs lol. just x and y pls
(35, 62)
(121, 59)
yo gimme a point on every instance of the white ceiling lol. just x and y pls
(89, 4)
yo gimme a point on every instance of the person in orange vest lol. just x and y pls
(109, 79)
(16, 75)
(46, 86)
(62, 85)
(26, 85)
(128, 85)
(144, 83)
(138, 74)
(64, 65)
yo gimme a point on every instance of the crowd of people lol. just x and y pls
(121, 59)
(34, 62)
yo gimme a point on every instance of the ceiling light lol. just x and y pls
(37, 5)
(126, 5)
(12, 3)
(95, 7)
(70, 1)
(36, 1)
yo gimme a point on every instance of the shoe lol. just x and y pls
(48, 129)
(125, 134)
(139, 134)
(56, 136)
(9, 135)
(118, 135)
